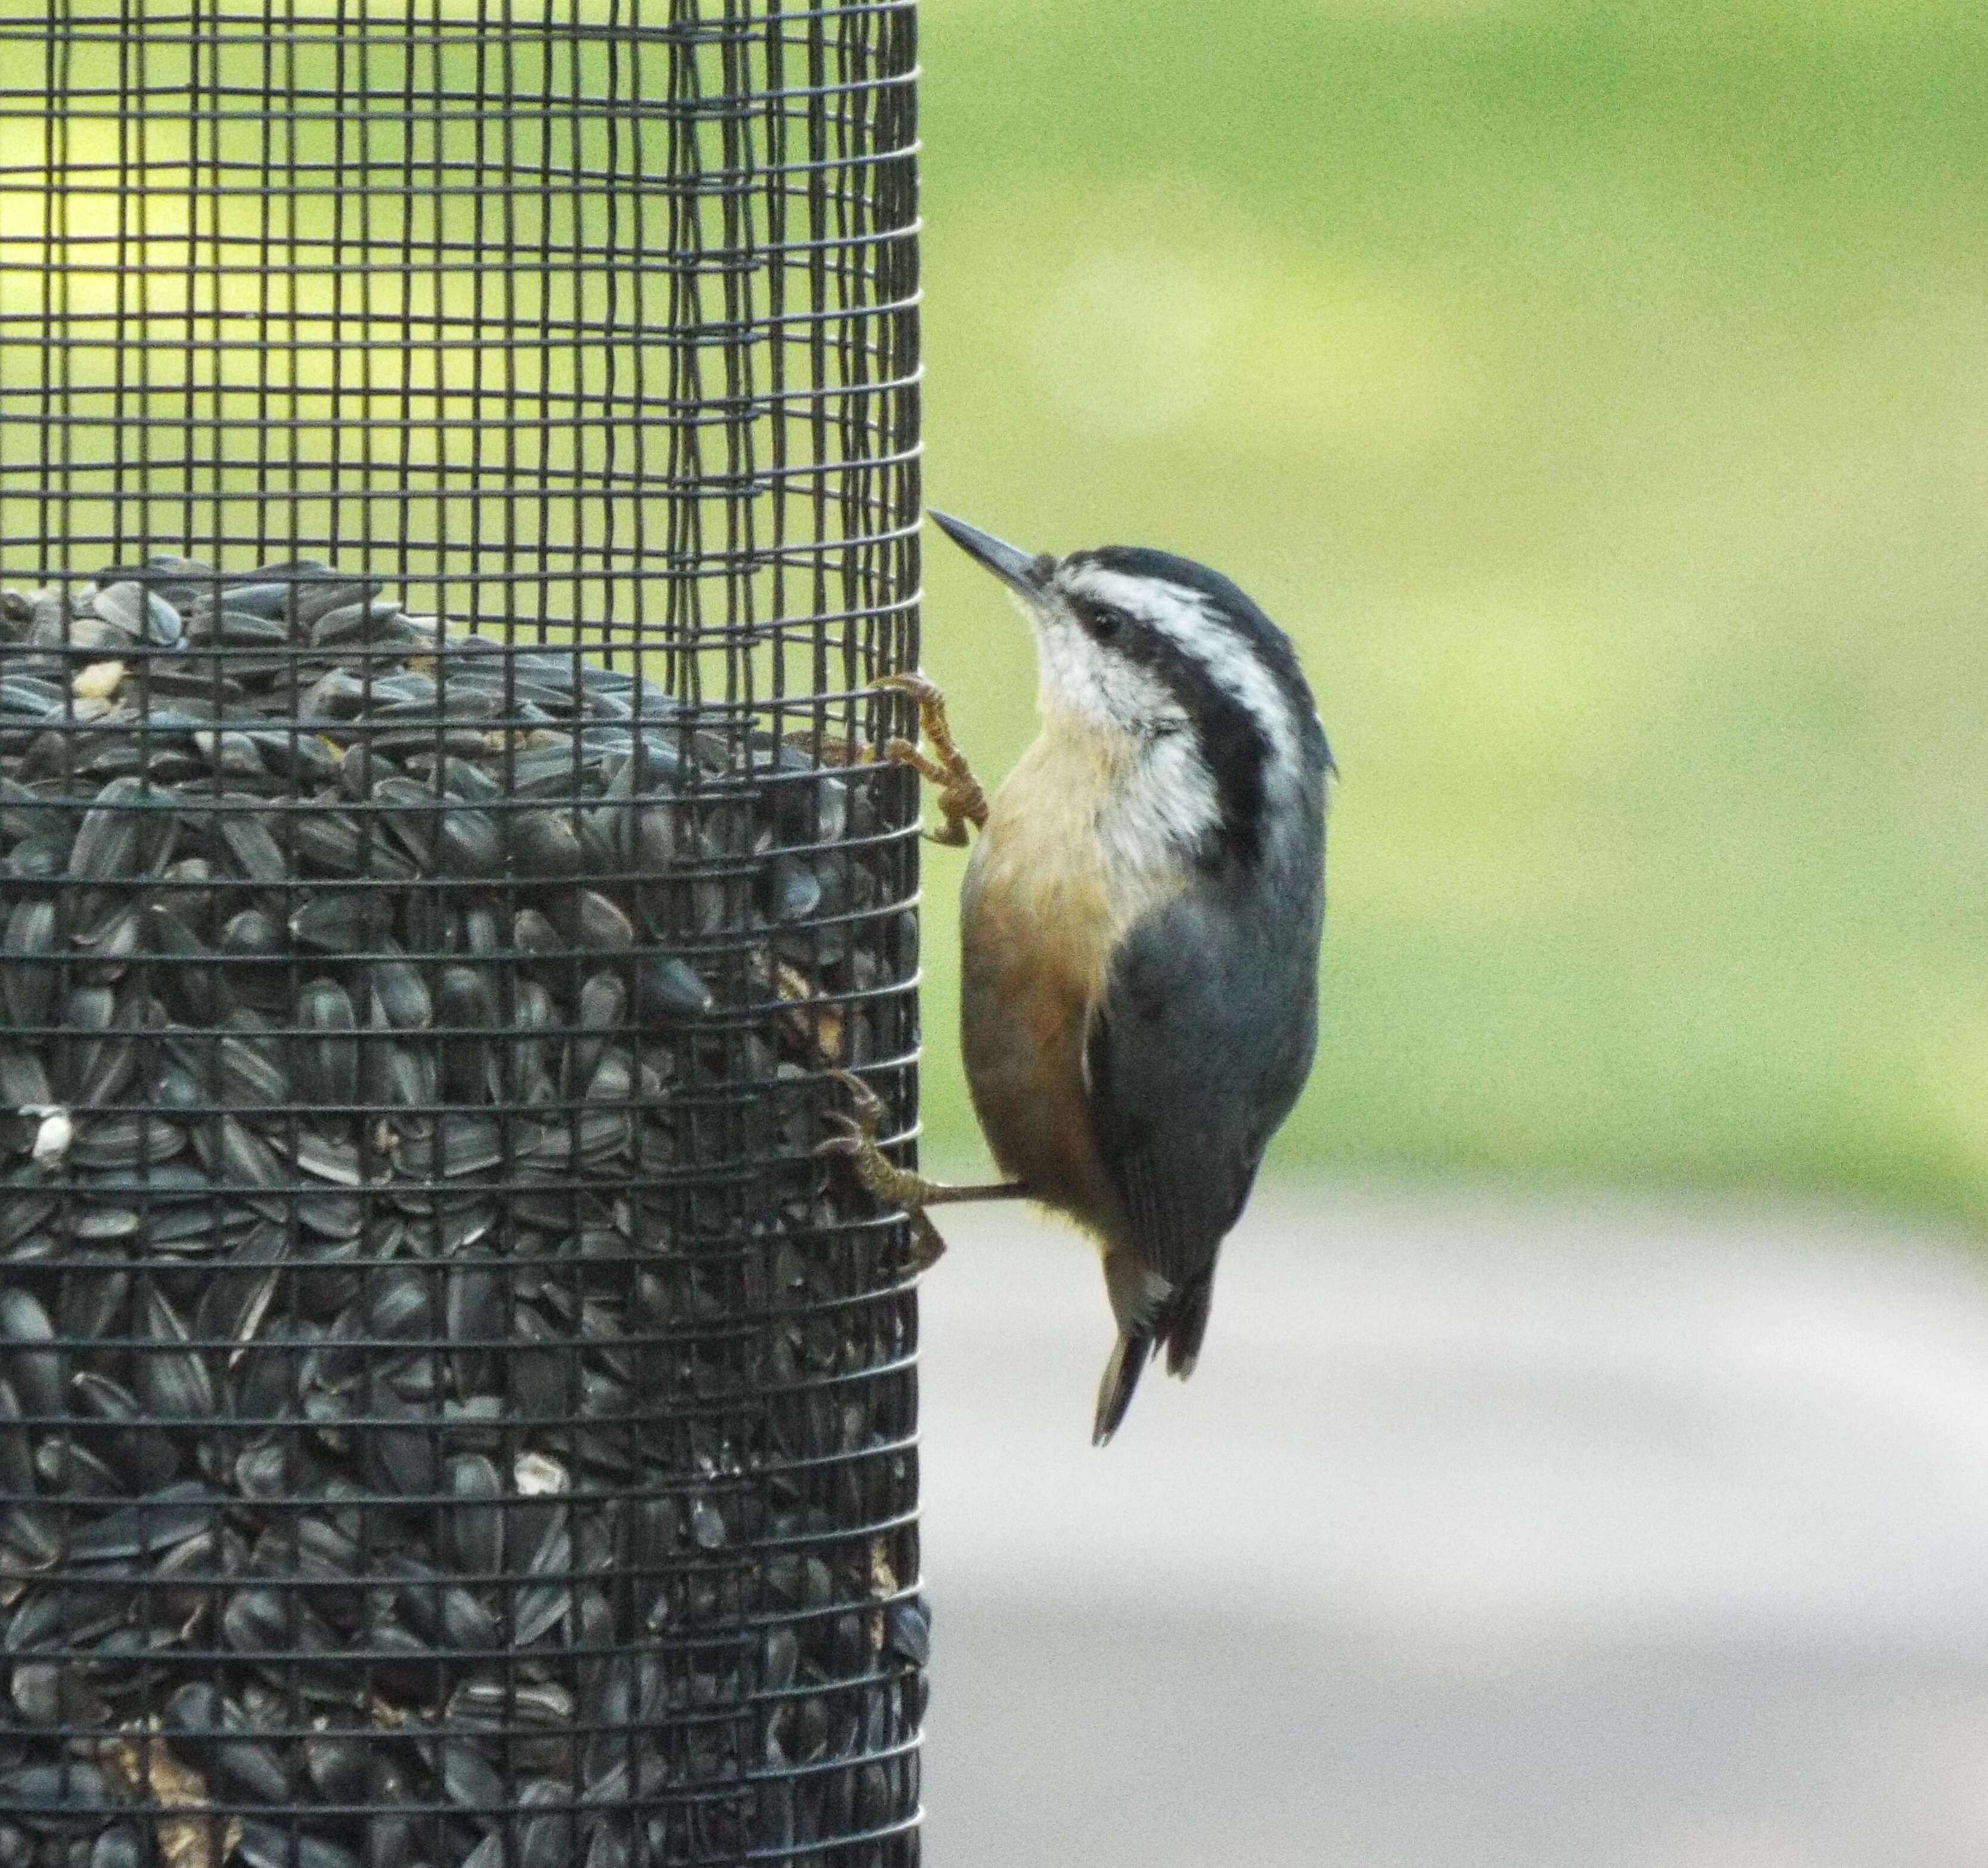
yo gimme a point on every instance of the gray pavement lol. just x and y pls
(1490, 1530)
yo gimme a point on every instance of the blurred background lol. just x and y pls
(1589, 1461)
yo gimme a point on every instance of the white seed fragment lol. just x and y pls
(56, 1131)
(536, 1475)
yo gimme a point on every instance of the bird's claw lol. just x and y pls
(887, 1185)
(922, 688)
(961, 800)
(865, 1118)
(927, 1247)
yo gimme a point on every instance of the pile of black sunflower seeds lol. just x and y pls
(447, 1415)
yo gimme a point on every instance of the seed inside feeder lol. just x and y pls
(424, 1313)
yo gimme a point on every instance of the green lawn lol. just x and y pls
(1600, 394)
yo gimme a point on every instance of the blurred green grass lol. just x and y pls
(1600, 395)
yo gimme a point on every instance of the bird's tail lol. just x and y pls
(1180, 1323)
(1129, 1356)
(1185, 1323)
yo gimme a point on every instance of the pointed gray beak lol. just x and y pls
(1021, 571)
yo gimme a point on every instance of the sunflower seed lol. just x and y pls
(594, 922)
(467, 843)
(353, 622)
(252, 935)
(124, 833)
(248, 842)
(399, 1076)
(68, 1794)
(34, 1372)
(328, 843)
(544, 1606)
(667, 990)
(23, 1080)
(172, 1380)
(475, 1526)
(339, 1765)
(192, 985)
(466, 1001)
(142, 615)
(27, 974)
(547, 846)
(795, 890)
(143, 1456)
(327, 1068)
(533, 933)
(133, 1139)
(399, 995)
(348, 921)
(149, 1524)
(401, 1452)
(272, 1845)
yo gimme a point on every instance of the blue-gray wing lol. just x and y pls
(1198, 1048)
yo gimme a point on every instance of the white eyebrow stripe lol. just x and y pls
(1186, 616)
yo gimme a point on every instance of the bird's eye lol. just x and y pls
(1103, 621)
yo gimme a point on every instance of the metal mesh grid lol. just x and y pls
(458, 485)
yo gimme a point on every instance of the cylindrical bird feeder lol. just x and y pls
(459, 484)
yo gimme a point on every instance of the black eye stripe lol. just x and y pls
(1230, 739)
(1271, 646)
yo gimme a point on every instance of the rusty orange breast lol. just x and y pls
(1041, 915)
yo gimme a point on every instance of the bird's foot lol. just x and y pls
(897, 1186)
(961, 800)
(889, 1186)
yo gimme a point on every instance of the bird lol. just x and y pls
(1141, 916)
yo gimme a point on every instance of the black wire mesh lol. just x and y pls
(458, 485)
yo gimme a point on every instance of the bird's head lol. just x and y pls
(1156, 647)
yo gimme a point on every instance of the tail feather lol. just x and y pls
(1129, 1356)
(1180, 1324)
(1185, 1323)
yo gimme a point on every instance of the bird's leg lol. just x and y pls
(896, 1187)
(961, 800)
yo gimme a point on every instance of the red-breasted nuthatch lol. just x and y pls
(1140, 925)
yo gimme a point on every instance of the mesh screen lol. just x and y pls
(458, 484)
